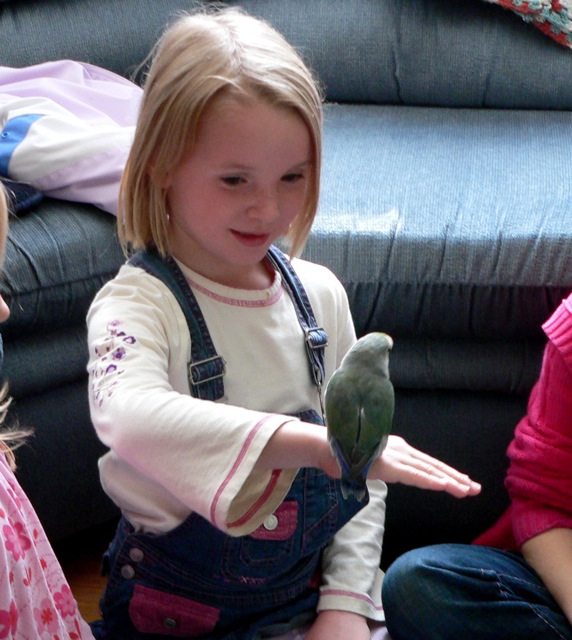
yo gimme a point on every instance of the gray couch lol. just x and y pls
(444, 211)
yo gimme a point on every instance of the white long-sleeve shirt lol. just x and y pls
(172, 454)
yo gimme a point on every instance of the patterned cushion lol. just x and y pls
(552, 17)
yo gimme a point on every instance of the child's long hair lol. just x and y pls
(203, 56)
(10, 438)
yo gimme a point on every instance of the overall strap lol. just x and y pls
(316, 339)
(206, 368)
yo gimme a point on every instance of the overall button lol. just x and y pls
(170, 623)
(271, 523)
(127, 571)
(136, 554)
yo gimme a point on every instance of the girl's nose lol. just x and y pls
(265, 207)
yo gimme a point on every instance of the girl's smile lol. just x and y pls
(252, 239)
(238, 190)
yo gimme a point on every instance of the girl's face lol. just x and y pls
(238, 190)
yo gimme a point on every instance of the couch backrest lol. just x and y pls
(115, 34)
(458, 53)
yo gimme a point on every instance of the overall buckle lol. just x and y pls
(316, 338)
(206, 370)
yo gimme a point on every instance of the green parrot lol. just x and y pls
(359, 404)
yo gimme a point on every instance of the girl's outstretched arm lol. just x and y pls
(300, 444)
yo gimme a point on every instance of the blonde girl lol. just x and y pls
(209, 352)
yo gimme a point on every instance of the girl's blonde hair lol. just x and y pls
(200, 57)
(10, 438)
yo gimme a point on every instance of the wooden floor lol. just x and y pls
(80, 558)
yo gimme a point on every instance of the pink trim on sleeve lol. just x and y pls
(232, 473)
(350, 594)
(262, 500)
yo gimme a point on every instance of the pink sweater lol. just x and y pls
(539, 479)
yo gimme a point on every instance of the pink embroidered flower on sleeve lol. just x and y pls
(9, 621)
(16, 540)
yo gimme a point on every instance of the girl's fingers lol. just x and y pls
(400, 462)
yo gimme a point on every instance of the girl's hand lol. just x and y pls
(400, 462)
(339, 625)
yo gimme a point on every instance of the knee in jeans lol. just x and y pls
(402, 574)
(412, 576)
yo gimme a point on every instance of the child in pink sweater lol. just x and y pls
(516, 581)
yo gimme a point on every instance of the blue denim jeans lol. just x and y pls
(466, 592)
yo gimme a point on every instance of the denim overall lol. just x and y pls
(196, 581)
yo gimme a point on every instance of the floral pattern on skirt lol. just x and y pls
(36, 602)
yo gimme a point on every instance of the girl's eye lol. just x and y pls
(293, 177)
(232, 181)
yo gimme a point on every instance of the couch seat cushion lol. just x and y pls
(57, 258)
